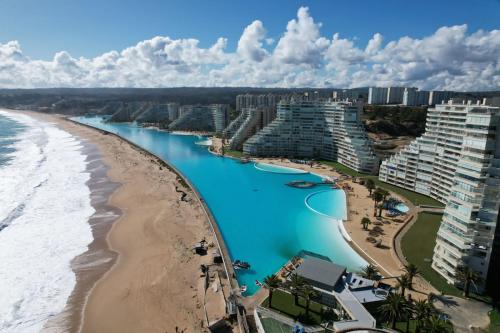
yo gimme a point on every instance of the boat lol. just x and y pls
(238, 264)
(258, 283)
(243, 288)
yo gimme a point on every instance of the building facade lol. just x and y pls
(414, 97)
(377, 95)
(326, 130)
(205, 118)
(395, 95)
(255, 101)
(457, 162)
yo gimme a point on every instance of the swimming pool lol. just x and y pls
(278, 169)
(262, 220)
(402, 208)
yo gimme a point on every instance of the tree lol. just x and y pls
(435, 325)
(384, 195)
(412, 271)
(370, 185)
(370, 272)
(403, 283)
(297, 283)
(271, 282)
(308, 292)
(422, 311)
(377, 196)
(395, 308)
(466, 277)
(365, 221)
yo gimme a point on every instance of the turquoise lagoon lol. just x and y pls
(262, 221)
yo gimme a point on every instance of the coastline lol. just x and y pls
(154, 269)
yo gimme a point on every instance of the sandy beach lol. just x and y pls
(153, 284)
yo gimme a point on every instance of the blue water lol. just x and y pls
(402, 208)
(331, 203)
(8, 131)
(278, 169)
(262, 221)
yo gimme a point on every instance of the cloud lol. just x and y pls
(451, 58)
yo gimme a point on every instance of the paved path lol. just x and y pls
(464, 314)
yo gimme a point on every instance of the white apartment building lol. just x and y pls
(457, 162)
(254, 101)
(249, 122)
(210, 118)
(438, 97)
(395, 95)
(315, 129)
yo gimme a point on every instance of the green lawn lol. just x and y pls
(418, 245)
(494, 321)
(284, 303)
(401, 326)
(415, 198)
(234, 153)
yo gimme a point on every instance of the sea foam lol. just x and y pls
(44, 209)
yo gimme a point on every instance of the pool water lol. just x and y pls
(402, 208)
(262, 220)
(278, 169)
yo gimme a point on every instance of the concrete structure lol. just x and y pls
(249, 122)
(414, 97)
(395, 95)
(206, 118)
(255, 101)
(377, 95)
(173, 111)
(325, 130)
(440, 97)
(345, 292)
(457, 162)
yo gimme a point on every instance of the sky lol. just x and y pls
(275, 43)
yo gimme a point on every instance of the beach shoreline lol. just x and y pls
(144, 276)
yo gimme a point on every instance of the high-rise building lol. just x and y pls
(457, 162)
(249, 122)
(255, 101)
(209, 118)
(377, 95)
(439, 97)
(395, 95)
(315, 129)
(414, 97)
(173, 111)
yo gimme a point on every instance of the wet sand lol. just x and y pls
(139, 274)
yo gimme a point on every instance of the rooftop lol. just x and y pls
(320, 273)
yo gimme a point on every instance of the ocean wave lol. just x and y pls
(44, 209)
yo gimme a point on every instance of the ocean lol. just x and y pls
(44, 211)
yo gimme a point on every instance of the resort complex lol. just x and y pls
(316, 129)
(457, 162)
(210, 118)
(407, 96)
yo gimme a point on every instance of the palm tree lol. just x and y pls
(412, 271)
(422, 311)
(297, 282)
(466, 276)
(377, 196)
(370, 272)
(370, 185)
(435, 325)
(395, 308)
(384, 194)
(365, 221)
(271, 282)
(403, 283)
(308, 292)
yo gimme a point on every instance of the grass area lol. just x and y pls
(418, 246)
(234, 153)
(494, 321)
(284, 303)
(414, 197)
(401, 326)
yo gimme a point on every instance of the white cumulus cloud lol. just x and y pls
(451, 58)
